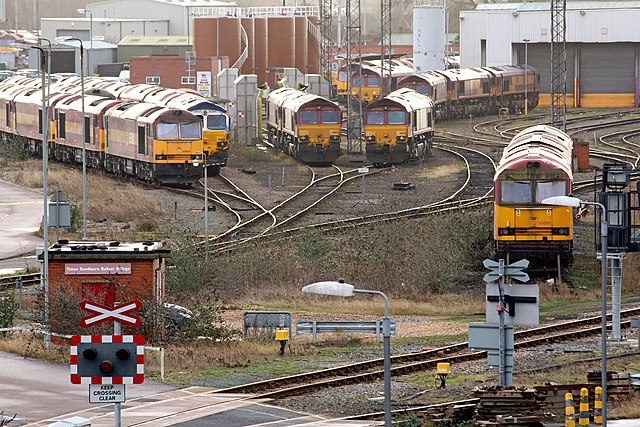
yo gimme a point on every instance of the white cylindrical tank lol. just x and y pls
(429, 36)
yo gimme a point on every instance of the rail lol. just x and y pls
(348, 327)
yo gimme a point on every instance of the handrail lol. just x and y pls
(245, 53)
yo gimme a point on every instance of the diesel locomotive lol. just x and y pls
(399, 127)
(304, 125)
(535, 165)
(146, 141)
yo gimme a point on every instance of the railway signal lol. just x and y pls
(107, 359)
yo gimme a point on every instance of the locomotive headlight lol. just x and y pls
(161, 157)
(564, 231)
(371, 138)
(334, 138)
(506, 231)
(401, 138)
(304, 138)
(221, 144)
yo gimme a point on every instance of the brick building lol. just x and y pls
(104, 272)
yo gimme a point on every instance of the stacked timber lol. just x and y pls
(618, 385)
(500, 406)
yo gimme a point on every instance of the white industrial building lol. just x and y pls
(602, 44)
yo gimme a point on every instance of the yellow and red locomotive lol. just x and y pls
(303, 125)
(399, 127)
(535, 165)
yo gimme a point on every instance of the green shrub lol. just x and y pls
(8, 309)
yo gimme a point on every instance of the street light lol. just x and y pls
(575, 202)
(526, 77)
(206, 205)
(341, 289)
(84, 12)
(84, 136)
(45, 156)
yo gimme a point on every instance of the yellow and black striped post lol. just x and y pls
(583, 417)
(569, 411)
(597, 406)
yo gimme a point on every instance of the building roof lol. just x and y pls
(89, 45)
(185, 3)
(576, 5)
(154, 41)
(402, 39)
(106, 249)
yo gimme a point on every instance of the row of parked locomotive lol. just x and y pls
(142, 131)
(455, 92)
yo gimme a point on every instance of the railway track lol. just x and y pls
(371, 370)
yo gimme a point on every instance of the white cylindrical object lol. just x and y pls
(429, 37)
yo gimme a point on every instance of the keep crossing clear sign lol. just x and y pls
(106, 393)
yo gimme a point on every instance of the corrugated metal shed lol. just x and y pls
(152, 46)
(576, 5)
(602, 46)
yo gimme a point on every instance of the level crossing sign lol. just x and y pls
(102, 313)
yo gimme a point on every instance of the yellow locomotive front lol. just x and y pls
(535, 166)
(318, 127)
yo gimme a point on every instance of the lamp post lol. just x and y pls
(206, 205)
(575, 202)
(526, 76)
(84, 12)
(84, 137)
(341, 289)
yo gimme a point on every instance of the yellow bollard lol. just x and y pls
(583, 417)
(597, 407)
(569, 411)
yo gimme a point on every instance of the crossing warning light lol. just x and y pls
(107, 359)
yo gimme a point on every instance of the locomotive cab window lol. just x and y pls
(308, 117)
(167, 131)
(515, 192)
(216, 122)
(373, 82)
(329, 117)
(396, 117)
(357, 82)
(545, 189)
(192, 130)
(422, 89)
(374, 118)
(485, 87)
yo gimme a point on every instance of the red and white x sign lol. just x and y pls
(102, 313)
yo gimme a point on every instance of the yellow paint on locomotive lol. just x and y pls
(171, 152)
(215, 141)
(317, 134)
(533, 223)
(385, 134)
(369, 93)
